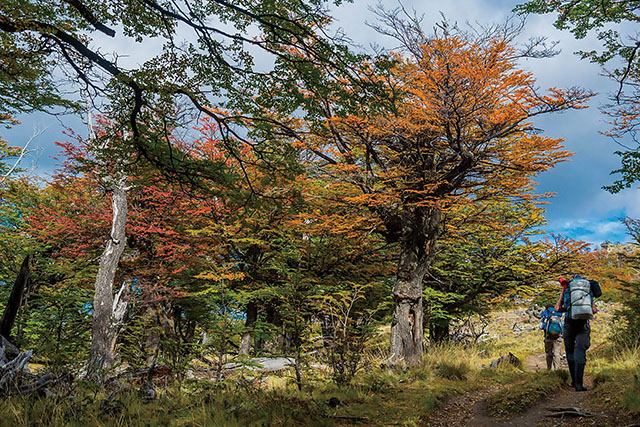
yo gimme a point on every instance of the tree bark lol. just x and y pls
(15, 299)
(103, 335)
(118, 314)
(419, 233)
(250, 322)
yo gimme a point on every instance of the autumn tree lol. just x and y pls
(628, 318)
(460, 123)
(180, 241)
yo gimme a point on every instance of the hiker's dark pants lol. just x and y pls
(577, 339)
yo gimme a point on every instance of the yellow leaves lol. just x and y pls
(218, 276)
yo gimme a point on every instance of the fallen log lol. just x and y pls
(563, 409)
(10, 351)
(9, 371)
(38, 384)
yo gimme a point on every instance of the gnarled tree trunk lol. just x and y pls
(103, 336)
(419, 233)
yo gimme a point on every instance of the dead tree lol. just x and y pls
(23, 282)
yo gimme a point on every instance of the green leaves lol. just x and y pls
(615, 23)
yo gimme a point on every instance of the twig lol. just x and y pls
(347, 417)
(23, 151)
(571, 412)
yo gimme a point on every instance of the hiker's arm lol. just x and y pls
(559, 303)
(595, 289)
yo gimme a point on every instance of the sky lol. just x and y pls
(581, 209)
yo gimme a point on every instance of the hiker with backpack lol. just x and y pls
(576, 300)
(552, 324)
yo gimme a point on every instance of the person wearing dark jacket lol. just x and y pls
(577, 333)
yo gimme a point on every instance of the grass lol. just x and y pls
(616, 375)
(377, 395)
(398, 398)
(394, 396)
(526, 391)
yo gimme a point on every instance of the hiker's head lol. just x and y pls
(548, 306)
(563, 281)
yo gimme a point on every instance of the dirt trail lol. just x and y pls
(538, 362)
(471, 409)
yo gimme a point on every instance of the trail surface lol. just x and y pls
(471, 409)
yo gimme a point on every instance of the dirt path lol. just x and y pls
(472, 410)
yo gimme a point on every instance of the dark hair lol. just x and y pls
(549, 306)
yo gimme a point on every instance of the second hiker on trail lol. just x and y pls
(576, 299)
(552, 324)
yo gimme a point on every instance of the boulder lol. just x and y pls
(509, 359)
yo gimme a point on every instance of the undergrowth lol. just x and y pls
(394, 395)
(616, 374)
(377, 395)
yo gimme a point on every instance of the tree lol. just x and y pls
(484, 255)
(627, 319)
(209, 72)
(614, 22)
(460, 122)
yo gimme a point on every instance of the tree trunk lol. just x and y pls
(15, 299)
(419, 232)
(250, 322)
(118, 314)
(103, 335)
(439, 330)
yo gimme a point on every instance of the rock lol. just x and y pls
(263, 364)
(504, 360)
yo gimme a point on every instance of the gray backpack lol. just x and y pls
(580, 299)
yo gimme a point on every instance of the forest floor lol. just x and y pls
(453, 386)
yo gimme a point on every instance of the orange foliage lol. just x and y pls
(462, 126)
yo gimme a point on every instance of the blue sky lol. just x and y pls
(581, 208)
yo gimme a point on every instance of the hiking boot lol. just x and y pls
(579, 377)
(572, 371)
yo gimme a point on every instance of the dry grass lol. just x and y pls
(377, 394)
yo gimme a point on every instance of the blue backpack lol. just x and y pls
(554, 326)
